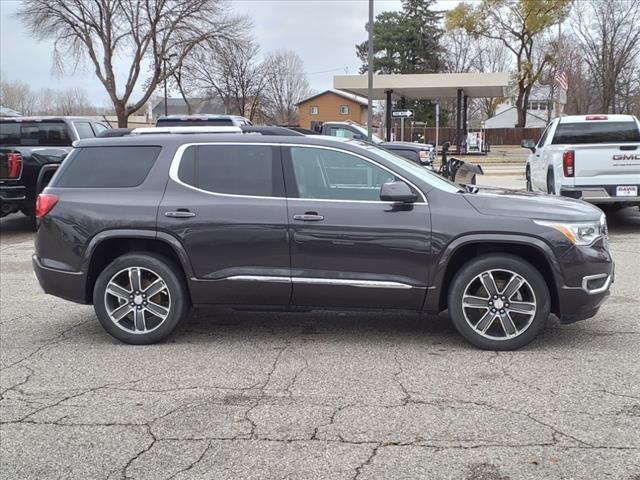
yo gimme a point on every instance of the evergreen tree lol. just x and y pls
(407, 41)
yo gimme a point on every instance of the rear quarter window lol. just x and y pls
(596, 132)
(108, 167)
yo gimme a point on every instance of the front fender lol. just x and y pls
(432, 300)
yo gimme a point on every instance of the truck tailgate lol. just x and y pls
(606, 164)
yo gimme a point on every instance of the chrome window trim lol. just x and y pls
(321, 281)
(177, 159)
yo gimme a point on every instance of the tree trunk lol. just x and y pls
(123, 116)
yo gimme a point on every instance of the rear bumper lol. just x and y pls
(68, 285)
(599, 194)
(12, 199)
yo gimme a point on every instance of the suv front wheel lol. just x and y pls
(499, 302)
(140, 298)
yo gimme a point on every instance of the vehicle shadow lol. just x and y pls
(625, 220)
(16, 223)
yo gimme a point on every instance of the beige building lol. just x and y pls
(331, 106)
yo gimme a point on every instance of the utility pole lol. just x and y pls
(164, 74)
(370, 74)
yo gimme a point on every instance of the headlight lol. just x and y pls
(579, 233)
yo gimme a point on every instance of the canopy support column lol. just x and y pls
(465, 108)
(387, 110)
(459, 120)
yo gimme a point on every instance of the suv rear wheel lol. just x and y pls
(140, 298)
(499, 302)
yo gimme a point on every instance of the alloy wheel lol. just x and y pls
(499, 304)
(137, 300)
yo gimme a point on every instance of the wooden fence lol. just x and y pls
(493, 136)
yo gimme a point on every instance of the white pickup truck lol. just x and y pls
(595, 158)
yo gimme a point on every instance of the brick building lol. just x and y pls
(331, 106)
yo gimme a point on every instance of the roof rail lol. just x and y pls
(188, 129)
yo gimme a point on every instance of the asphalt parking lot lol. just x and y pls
(309, 396)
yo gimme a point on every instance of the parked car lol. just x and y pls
(595, 158)
(31, 149)
(420, 153)
(202, 120)
(144, 226)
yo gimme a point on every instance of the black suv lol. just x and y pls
(143, 227)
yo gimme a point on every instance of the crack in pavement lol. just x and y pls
(193, 464)
(54, 341)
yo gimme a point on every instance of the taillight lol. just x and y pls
(596, 117)
(14, 165)
(44, 203)
(568, 163)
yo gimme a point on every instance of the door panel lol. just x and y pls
(237, 243)
(350, 252)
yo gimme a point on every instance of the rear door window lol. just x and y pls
(596, 132)
(250, 170)
(108, 167)
(35, 133)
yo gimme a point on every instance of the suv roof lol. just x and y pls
(178, 139)
(202, 118)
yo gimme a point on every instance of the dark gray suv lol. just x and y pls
(144, 227)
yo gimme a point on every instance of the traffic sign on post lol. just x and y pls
(402, 113)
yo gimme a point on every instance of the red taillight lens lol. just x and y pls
(596, 117)
(14, 165)
(568, 163)
(45, 203)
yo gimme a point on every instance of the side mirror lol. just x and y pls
(530, 144)
(397, 192)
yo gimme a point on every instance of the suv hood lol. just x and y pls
(497, 201)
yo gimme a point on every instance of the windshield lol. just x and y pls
(422, 173)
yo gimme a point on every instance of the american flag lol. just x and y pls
(561, 79)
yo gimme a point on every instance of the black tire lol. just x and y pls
(176, 292)
(528, 177)
(551, 183)
(468, 274)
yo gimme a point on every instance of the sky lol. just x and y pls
(323, 32)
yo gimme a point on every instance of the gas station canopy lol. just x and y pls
(427, 86)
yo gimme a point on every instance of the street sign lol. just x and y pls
(402, 113)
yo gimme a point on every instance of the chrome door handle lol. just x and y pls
(180, 214)
(308, 217)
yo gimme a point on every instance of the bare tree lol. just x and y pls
(286, 86)
(232, 71)
(610, 39)
(470, 53)
(144, 32)
(72, 101)
(18, 96)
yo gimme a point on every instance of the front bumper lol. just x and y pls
(588, 274)
(68, 285)
(599, 194)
